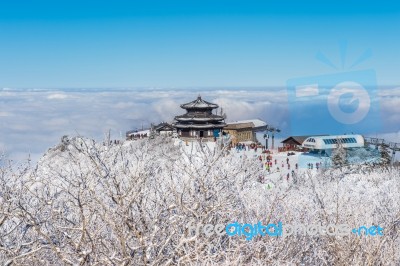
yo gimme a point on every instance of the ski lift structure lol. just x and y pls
(266, 136)
(394, 146)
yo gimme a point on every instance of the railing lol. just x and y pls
(381, 142)
(394, 146)
(378, 142)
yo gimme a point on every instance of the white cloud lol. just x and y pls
(239, 110)
(2, 147)
(31, 123)
(5, 114)
(56, 122)
(123, 105)
(306, 91)
(57, 96)
(166, 109)
(392, 92)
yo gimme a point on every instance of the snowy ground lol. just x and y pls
(155, 184)
(279, 171)
(282, 173)
(283, 170)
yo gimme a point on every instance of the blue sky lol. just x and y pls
(245, 56)
(109, 44)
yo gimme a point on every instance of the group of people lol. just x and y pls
(317, 165)
(245, 147)
(268, 163)
(115, 142)
(138, 136)
(240, 147)
(285, 167)
(292, 173)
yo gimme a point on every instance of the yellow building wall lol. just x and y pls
(240, 136)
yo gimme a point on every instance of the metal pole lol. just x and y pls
(393, 157)
(272, 141)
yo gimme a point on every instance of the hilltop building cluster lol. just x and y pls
(201, 121)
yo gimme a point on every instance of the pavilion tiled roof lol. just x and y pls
(199, 117)
(200, 104)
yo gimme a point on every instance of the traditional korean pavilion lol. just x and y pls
(199, 121)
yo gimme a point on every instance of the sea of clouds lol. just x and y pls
(33, 120)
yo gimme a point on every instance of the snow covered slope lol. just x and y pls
(130, 203)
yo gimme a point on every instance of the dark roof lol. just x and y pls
(199, 104)
(203, 117)
(200, 126)
(163, 126)
(298, 140)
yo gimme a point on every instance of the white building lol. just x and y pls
(330, 142)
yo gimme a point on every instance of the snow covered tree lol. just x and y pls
(385, 154)
(131, 203)
(339, 155)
